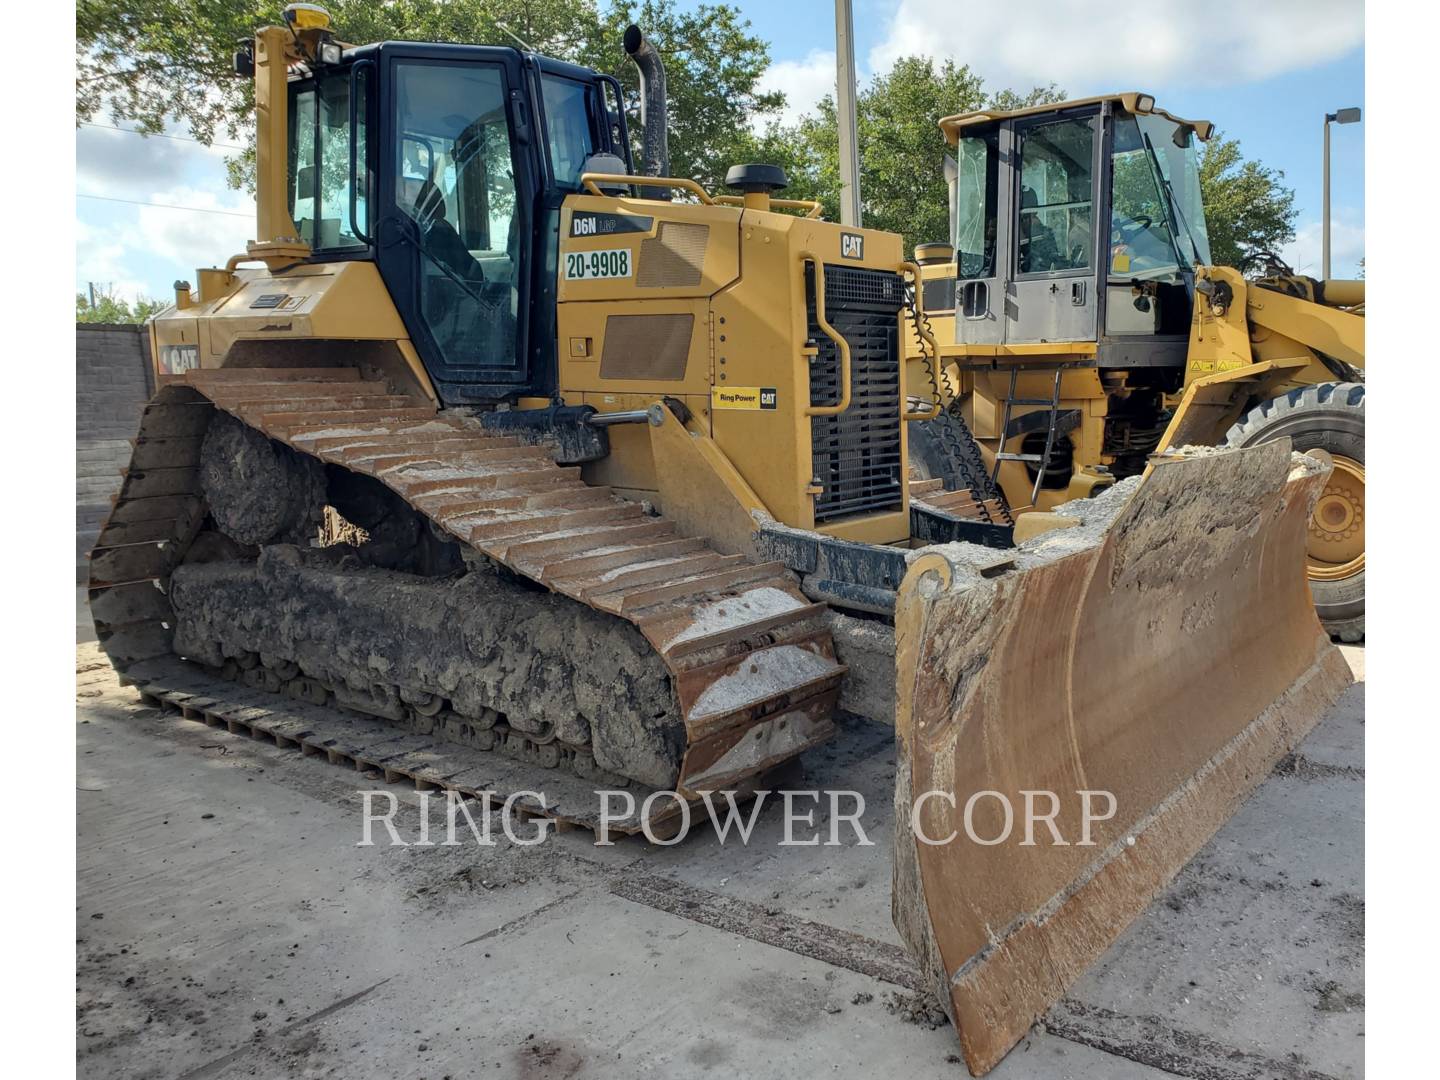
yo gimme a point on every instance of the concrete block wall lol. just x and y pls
(113, 381)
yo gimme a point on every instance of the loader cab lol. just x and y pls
(1078, 223)
(446, 166)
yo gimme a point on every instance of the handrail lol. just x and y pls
(829, 331)
(274, 251)
(922, 331)
(814, 208)
(590, 181)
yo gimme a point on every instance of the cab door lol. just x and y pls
(1054, 247)
(456, 194)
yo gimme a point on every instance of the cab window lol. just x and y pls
(1172, 148)
(302, 163)
(977, 169)
(1056, 169)
(1142, 239)
(319, 165)
(456, 181)
(571, 132)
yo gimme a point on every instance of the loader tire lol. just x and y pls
(1329, 417)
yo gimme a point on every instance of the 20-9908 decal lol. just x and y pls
(611, 263)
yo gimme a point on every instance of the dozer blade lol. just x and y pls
(1165, 652)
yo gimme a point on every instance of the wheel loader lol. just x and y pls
(1083, 326)
(504, 465)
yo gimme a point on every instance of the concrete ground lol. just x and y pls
(228, 925)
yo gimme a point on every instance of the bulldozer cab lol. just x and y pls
(1078, 223)
(446, 166)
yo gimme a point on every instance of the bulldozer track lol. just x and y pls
(967, 491)
(380, 751)
(752, 667)
(961, 503)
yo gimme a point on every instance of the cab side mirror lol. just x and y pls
(244, 61)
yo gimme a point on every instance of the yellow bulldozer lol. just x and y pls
(1082, 327)
(502, 464)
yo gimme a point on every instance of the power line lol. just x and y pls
(159, 135)
(163, 206)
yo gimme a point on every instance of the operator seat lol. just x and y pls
(440, 239)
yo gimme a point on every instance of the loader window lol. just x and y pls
(1142, 237)
(1056, 167)
(1173, 149)
(977, 163)
(456, 181)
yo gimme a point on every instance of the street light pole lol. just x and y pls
(1325, 207)
(1340, 116)
(845, 114)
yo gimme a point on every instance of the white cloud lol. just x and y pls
(1087, 48)
(151, 246)
(185, 237)
(101, 260)
(804, 82)
(139, 250)
(1347, 247)
(122, 163)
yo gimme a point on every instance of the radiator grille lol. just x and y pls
(856, 455)
(674, 257)
(650, 347)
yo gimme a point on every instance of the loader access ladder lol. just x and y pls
(1052, 406)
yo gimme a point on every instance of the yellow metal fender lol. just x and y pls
(1167, 657)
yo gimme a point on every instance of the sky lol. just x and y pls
(1264, 73)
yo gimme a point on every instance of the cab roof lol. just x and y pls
(1132, 101)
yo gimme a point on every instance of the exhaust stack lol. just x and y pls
(654, 112)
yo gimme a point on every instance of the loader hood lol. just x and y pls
(1154, 662)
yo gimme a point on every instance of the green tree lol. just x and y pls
(107, 309)
(1247, 208)
(902, 151)
(147, 62)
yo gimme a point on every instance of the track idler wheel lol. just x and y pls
(311, 691)
(467, 731)
(286, 669)
(422, 702)
(262, 678)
